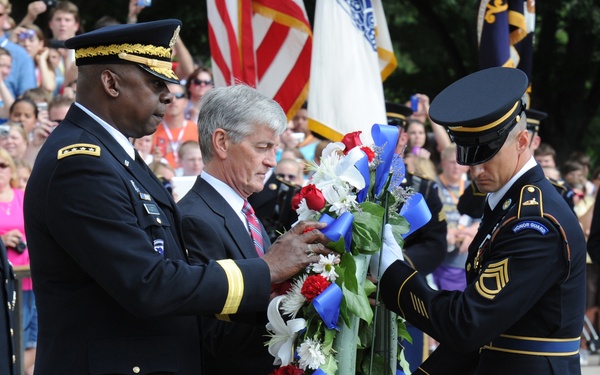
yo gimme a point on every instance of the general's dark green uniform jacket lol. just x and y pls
(522, 311)
(114, 290)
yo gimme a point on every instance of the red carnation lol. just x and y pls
(287, 370)
(314, 198)
(351, 140)
(369, 152)
(313, 286)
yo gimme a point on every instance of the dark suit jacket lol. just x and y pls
(212, 230)
(7, 305)
(526, 284)
(109, 301)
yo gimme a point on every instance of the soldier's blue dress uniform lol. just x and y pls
(522, 311)
(114, 290)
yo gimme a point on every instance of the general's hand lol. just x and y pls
(294, 250)
(390, 252)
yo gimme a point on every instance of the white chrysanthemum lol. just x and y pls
(310, 355)
(305, 213)
(326, 267)
(343, 203)
(294, 300)
(283, 334)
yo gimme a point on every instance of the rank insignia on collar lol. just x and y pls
(126, 162)
(506, 203)
(272, 186)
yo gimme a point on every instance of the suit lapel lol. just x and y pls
(232, 223)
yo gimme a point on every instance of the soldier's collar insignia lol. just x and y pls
(506, 204)
(272, 186)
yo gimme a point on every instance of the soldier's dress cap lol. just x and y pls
(147, 44)
(534, 118)
(480, 110)
(397, 114)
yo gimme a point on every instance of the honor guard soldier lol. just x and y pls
(114, 289)
(522, 311)
(425, 248)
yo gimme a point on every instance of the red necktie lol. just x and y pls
(255, 229)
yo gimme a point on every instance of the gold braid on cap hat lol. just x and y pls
(488, 126)
(131, 52)
(395, 115)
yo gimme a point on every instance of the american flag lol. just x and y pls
(266, 44)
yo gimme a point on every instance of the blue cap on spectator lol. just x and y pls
(480, 110)
(149, 45)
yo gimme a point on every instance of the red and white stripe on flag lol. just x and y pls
(266, 44)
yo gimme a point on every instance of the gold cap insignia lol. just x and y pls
(175, 35)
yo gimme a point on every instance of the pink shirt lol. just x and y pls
(11, 217)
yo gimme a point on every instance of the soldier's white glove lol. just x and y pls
(390, 252)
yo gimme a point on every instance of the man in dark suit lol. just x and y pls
(114, 289)
(7, 306)
(239, 150)
(522, 310)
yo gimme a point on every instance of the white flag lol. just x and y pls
(352, 54)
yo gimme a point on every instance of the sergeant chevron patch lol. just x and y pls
(493, 279)
(419, 305)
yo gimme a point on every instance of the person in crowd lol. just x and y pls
(64, 22)
(425, 248)
(7, 307)
(290, 171)
(47, 122)
(22, 76)
(23, 171)
(198, 83)
(288, 140)
(451, 275)
(584, 159)
(143, 146)
(545, 155)
(12, 233)
(24, 111)
(419, 103)
(190, 157)
(31, 37)
(239, 130)
(114, 288)
(308, 145)
(174, 129)
(6, 97)
(522, 309)
(16, 142)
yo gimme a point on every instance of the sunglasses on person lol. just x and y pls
(179, 95)
(199, 82)
(286, 176)
(3, 165)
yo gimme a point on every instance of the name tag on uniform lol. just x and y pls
(151, 209)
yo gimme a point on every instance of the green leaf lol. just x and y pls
(330, 367)
(358, 304)
(348, 265)
(402, 331)
(369, 287)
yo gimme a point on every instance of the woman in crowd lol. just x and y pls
(197, 84)
(25, 112)
(32, 39)
(16, 142)
(12, 232)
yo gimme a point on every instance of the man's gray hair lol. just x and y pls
(238, 110)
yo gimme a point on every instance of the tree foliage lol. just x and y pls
(435, 42)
